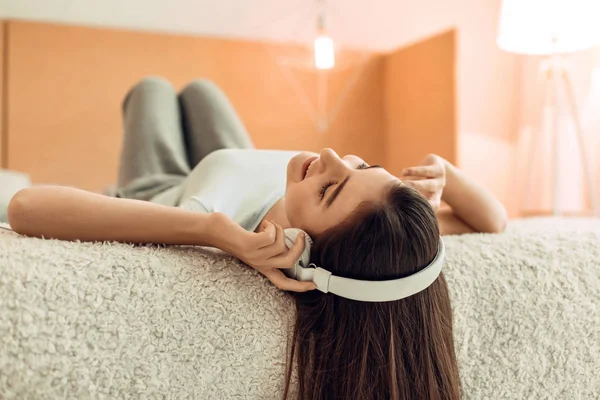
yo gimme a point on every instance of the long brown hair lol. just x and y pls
(399, 350)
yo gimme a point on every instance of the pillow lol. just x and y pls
(10, 183)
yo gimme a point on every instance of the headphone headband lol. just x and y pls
(370, 291)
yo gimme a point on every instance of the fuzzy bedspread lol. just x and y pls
(106, 320)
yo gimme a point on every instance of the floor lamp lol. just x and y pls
(552, 28)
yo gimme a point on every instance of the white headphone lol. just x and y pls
(354, 289)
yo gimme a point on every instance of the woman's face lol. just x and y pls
(323, 189)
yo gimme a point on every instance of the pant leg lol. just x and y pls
(153, 156)
(209, 121)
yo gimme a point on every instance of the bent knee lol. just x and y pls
(150, 84)
(154, 82)
(202, 87)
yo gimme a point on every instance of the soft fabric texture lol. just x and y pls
(107, 320)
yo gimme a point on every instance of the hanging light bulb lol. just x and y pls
(324, 49)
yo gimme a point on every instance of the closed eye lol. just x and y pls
(367, 166)
(325, 187)
(337, 191)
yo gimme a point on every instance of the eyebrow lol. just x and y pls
(336, 192)
(339, 188)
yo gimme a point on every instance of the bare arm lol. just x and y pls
(461, 205)
(73, 214)
(450, 223)
(474, 205)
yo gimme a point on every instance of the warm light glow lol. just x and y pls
(596, 80)
(548, 26)
(324, 52)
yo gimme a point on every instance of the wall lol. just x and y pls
(2, 93)
(500, 110)
(487, 80)
(64, 120)
(420, 100)
(384, 25)
(535, 125)
(493, 89)
(86, 72)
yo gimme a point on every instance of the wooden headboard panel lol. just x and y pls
(65, 86)
(420, 102)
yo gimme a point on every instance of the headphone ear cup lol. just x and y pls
(290, 238)
(309, 241)
(305, 258)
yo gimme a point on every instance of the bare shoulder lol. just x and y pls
(450, 223)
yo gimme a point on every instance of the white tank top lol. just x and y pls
(242, 183)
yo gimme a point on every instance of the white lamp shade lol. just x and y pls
(548, 26)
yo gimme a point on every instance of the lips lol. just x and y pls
(306, 165)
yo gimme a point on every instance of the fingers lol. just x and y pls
(272, 246)
(428, 185)
(431, 189)
(428, 171)
(413, 178)
(267, 234)
(293, 254)
(278, 246)
(280, 237)
(275, 254)
(271, 250)
(282, 257)
(285, 283)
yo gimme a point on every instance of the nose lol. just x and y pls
(328, 156)
(330, 159)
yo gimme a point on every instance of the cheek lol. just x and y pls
(297, 205)
(289, 174)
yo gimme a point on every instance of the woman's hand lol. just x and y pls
(265, 251)
(429, 178)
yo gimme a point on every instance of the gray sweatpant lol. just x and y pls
(167, 134)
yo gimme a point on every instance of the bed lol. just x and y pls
(109, 320)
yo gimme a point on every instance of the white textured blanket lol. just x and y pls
(82, 320)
